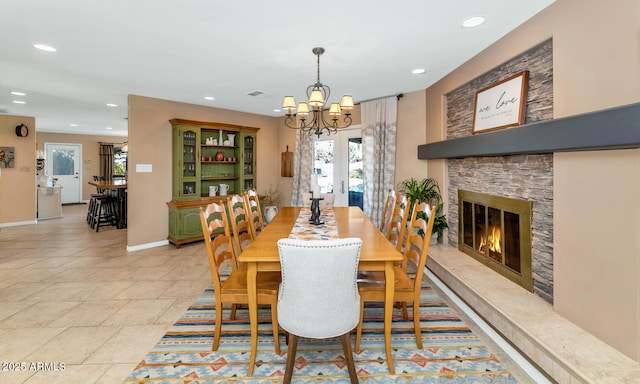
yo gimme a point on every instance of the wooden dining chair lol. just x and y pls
(233, 289)
(318, 295)
(407, 289)
(388, 209)
(256, 222)
(238, 213)
(398, 221)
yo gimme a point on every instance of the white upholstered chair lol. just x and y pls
(318, 296)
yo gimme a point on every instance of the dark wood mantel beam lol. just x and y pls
(615, 128)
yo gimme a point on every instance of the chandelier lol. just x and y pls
(318, 96)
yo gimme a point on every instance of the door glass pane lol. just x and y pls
(63, 162)
(323, 164)
(120, 163)
(356, 181)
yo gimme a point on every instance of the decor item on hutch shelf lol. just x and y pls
(317, 94)
(501, 105)
(224, 188)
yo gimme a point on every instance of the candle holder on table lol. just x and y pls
(315, 211)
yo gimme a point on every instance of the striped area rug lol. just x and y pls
(451, 353)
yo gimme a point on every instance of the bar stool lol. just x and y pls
(105, 212)
(94, 200)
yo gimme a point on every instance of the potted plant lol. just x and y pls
(271, 201)
(426, 190)
(440, 223)
(421, 190)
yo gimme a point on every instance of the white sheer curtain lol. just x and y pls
(302, 167)
(379, 120)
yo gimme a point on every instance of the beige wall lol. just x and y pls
(596, 254)
(150, 143)
(596, 56)
(18, 184)
(410, 134)
(90, 153)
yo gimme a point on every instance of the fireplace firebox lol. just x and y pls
(496, 231)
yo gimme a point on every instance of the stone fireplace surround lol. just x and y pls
(518, 162)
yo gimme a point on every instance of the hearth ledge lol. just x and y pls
(566, 352)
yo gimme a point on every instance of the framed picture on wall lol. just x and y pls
(501, 105)
(7, 157)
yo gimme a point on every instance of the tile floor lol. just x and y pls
(70, 296)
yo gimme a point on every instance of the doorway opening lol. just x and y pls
(63, 163)
(337, 160)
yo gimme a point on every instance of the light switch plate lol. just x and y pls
(143, 168)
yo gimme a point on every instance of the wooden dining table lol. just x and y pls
(376, 254)
(119, 186)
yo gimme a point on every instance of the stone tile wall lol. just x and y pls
(528, 177)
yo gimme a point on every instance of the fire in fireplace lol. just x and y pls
(497, 232)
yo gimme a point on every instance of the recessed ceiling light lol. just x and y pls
(419, 71)
(276, 110)
(44, 47)
(18, 93)
(111, 105)
(19, 102)
(209, 98)
(73, 125)
(473, 21)
(108, 128)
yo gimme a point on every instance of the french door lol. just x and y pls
(63, 162)
(338, 164)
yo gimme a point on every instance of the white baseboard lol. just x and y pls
(132, 248)
(18, 223)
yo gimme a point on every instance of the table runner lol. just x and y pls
(304, 230)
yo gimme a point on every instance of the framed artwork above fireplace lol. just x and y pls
(501, 105)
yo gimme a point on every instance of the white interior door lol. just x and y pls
(338, 164)
(62, 162)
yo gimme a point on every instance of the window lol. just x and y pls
(120, 160)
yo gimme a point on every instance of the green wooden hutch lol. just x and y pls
(206, 154)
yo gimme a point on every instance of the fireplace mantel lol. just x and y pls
(615, 128)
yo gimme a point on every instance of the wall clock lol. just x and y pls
(22, 130)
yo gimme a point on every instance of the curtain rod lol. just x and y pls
(398, 96)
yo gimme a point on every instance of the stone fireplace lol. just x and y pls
(518, 162)
(496, 231)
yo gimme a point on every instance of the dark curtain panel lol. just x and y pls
(106, 161)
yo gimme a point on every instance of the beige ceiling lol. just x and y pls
(186, 50)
